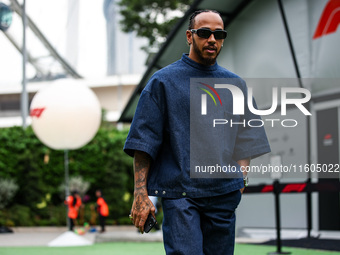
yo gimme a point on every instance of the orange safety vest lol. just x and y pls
(103, 209)
(73, 209)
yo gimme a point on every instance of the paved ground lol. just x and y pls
(42, 236)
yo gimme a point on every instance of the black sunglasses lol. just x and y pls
(206, 33)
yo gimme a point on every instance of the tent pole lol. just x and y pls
(308, 131)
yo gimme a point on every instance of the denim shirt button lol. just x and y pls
(184, 194)
(163, 192)
(156, 192)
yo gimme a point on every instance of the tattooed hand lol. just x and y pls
(141, 208)
(142, 205)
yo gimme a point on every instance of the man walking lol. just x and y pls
(199, 214)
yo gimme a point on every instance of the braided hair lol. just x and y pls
(193, 16)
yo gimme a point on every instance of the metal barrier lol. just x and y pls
(303, 187)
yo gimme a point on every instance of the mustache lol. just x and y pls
(211, 47)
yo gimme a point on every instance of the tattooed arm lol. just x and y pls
(142, 205)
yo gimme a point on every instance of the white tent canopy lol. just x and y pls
(265, 40)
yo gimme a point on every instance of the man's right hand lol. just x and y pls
(141, 208)
(142, 205)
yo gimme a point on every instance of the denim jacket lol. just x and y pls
(161, 128)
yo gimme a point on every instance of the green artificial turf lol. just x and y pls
(248, 249)
(144, 249)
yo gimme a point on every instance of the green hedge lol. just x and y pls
(39, 171)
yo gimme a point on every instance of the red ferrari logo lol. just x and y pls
(329, 20)
(37, 112)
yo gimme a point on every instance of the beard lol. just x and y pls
(209, 60)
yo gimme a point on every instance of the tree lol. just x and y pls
(8, 187)
(35, 172)
(152, 19)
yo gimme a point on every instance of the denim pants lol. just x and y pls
(200, 226)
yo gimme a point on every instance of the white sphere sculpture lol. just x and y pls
(65, 115)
